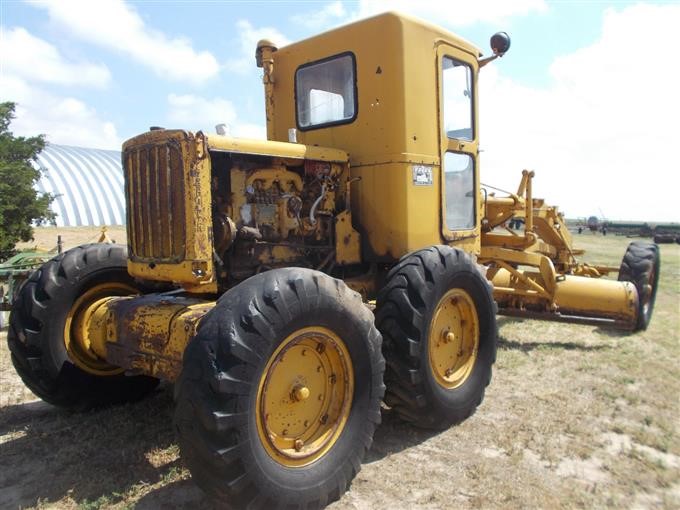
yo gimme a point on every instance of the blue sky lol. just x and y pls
(587, 95)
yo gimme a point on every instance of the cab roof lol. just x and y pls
(390, 16)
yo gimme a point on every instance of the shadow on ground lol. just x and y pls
(49, 454)
(504, 344)
(95, 458)
(394, 435)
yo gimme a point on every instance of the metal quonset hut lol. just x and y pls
(87, 183)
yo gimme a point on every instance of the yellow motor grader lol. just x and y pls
(288, 286)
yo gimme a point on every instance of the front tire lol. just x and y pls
(438, 320)
(280, 392)
(44, 353)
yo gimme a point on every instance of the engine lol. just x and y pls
(270, 212)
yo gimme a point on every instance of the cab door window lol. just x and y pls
(459, 191)
(458, 101)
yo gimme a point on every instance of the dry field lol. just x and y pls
(574, 417)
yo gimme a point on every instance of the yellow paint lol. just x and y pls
(192, 263)
(453, 341)
(281, 149)
(304, 397)
(347, 240)
(397, 126)
(82, 341)
(280, 175)
(144, 334)
(387, 213)
(573, 295)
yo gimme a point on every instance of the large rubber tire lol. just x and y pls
(404, 313)
(217, 394)
(641, 266)
(36, 331)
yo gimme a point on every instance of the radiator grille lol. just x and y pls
(154, 182)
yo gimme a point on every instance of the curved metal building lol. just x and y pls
(87, 185)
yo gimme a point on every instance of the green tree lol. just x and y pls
(20, 204)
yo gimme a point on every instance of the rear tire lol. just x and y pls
(434, 303)
(36, 336)
(255, 381)
(641, 265)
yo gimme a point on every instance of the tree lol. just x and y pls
(20, 204)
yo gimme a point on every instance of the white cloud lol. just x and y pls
(22, 54)
(65, 120)
(454, 13)
(255, 131)
(193, 112)
(248, 38)
(603, 135)
(189, 111)
(114, 25)
(329, 14)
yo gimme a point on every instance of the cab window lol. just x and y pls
(457, 91)
(459, 191)
(325, 92)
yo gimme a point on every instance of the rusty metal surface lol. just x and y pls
(167, 179)
(347, 240)
(148, 334)
(154, 178)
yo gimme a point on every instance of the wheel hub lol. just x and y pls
(454, 339)
(304, 396)
(81, 345)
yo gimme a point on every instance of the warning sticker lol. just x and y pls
(422, 175)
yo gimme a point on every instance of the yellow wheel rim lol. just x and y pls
(304, 397)
(454, 339)
(76, 336)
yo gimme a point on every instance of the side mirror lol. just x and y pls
(500, 43)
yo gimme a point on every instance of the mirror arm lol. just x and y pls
(483, 61)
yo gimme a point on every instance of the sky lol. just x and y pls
(587, 96)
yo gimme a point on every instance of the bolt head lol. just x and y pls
(300, 393)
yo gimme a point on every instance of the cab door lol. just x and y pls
(458, 136)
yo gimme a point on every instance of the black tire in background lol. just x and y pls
(37, 328)
(405, 308)
(641, 265)
(221, 384)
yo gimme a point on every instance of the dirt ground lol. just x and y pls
(575, 416)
